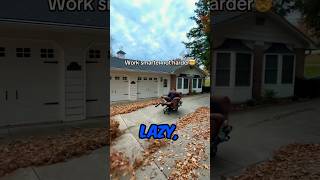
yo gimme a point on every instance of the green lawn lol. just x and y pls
(312, 66)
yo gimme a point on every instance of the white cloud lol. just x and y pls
(155, 31)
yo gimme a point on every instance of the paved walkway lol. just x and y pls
(258, 133)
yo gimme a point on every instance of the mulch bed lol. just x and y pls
(294, 161)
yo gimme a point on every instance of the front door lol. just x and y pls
(165, 87)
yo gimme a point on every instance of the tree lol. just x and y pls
(199, 36)
(310, 10)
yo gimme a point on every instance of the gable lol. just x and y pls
(190, 71)
(272, 30)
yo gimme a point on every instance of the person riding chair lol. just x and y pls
(172, 101)
(220, 109)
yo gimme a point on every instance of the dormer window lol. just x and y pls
(93, 53)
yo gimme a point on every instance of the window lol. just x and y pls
(179, 83)
(243, 69)
(156, 79)
(145, 78)
(185, 83)
(117, 78)
(2, 52)
(194, 83)
(23, 52)
(150, 79)
(223, 69)
(46, 53)
(124, 78)
(165, 83)
(200, 83)
(94, 53)
(139, 78)
(271, 69)
(287, 69)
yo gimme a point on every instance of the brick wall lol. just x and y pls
(257, 71)
(173, 80)
(300, 62)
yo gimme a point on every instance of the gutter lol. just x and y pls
(132, 70)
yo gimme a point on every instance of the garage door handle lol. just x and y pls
(6, 95)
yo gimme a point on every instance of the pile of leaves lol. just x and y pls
(36, 151)
(186, 168)
(114, 130)
(295, 161)
(120, 166)
(201, 114)
(127, 108)
(148, 156)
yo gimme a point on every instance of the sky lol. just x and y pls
(150, 29)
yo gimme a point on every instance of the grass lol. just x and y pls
(312, 66)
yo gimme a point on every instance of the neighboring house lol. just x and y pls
(256, 52)
(132, 82)
(52, 64)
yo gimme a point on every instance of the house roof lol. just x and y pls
(37, 11)
(223, 17)
(278, 48)
(118, 63)
(233, 45)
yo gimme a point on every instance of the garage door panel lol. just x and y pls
(147, 88)
(96, 85)
(119, 88)
(35, 84)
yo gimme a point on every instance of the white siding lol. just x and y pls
(140, 89)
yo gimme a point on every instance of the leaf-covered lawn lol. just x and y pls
(37, 151)
(294, 162)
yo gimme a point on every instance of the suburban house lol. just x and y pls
(254, 53)
(52, 64)
(132, 82)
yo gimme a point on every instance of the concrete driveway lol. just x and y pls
(257, 133)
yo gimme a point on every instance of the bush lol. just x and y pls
(269, 94)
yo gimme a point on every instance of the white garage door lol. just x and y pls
(30, 84)
(147, 87)
(119, 88)
(96, 87)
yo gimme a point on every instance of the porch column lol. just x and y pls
(300, 62)
(257, 71)
(173, 81)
